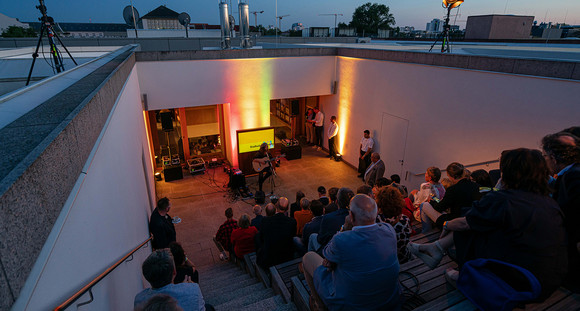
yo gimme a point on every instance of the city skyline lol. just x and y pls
(416, 13)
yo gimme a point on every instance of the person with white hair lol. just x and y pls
(365, 279)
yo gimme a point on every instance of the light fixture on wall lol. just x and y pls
(444, 36)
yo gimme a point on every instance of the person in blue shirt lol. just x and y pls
(365, 279)
(159, 270)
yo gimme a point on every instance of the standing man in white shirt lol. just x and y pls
(366, 149)
(332, 131)
(318, 123)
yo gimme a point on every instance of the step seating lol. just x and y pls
(281, 275)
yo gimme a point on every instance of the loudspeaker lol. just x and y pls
(237, 181)
(295, 107)
(173, 173)
(260, 197)
(166, 121)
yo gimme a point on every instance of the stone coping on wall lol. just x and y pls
(510, 65)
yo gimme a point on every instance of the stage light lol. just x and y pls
(450, 4)
(337, 157)
(158, 176)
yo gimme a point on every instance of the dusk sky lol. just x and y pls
(407, 13)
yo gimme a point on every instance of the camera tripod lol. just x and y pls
(46, 26)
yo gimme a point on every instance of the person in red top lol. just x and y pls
(225, 231)
(303, 216)
(243, 237)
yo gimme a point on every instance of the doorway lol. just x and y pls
(392, 142)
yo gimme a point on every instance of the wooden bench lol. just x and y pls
(300, 293)
(281, 277)
(255, 270)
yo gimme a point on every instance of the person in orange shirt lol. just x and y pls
(303, 216)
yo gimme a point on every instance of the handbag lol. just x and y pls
(492, 284)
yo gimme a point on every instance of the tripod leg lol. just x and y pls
(64, 47)
(35, 54)
(435, 43)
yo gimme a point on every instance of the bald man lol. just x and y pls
(277, 237)
(375, 171)
(365, 279)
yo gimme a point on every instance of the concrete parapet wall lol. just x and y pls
(47, 149)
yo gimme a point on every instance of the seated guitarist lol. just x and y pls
(263, 157)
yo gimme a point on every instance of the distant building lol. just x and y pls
(6, 21)
(88, 30)
(161, 18)
(406, 29)
(297, 27)
(347, 32)
(436, 25)
(384, 33)
(498, 27)
(319, 31)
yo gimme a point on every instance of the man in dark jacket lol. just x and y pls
(276, 237)
(161, 225)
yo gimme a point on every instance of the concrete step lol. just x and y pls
(240, 282)
(226, 289)
(219, 276)
(271, 303)
(246, 300)
(218, 297)
(218, 268)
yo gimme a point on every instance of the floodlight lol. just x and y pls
(451, 4)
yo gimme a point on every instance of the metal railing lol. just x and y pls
(469, 165)
(91, 284)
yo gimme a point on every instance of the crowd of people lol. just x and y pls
(352, 244)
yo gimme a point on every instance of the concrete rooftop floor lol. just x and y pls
(201, 203)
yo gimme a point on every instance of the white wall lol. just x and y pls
(454, 114)
(104, 218)
(174, 84)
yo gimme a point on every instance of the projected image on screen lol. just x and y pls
(250, 141)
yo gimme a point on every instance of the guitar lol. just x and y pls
(261, 164)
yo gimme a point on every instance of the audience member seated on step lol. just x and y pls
(460, 195)
(161, 225)
(365, 189)
(257, 221)
(391, 204)
(159, 270)
(283, 204)
(408, 207)
(360, 270)
(243, 237)
(270, 210)
(381, 182)
(183, 266)
(296, 205)
(519, 224)
(483, 180)
(313, 226)
(160, 302)
(331, 223)
(331, 207)
(322, 196)
(431, 188)
(303, 216)
(562, 152)
(395, 178)
(224, 233)
(276, 238)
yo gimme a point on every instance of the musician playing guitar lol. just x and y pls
(263, 158)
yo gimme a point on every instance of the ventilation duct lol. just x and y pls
(225, 25)
(244, 10)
